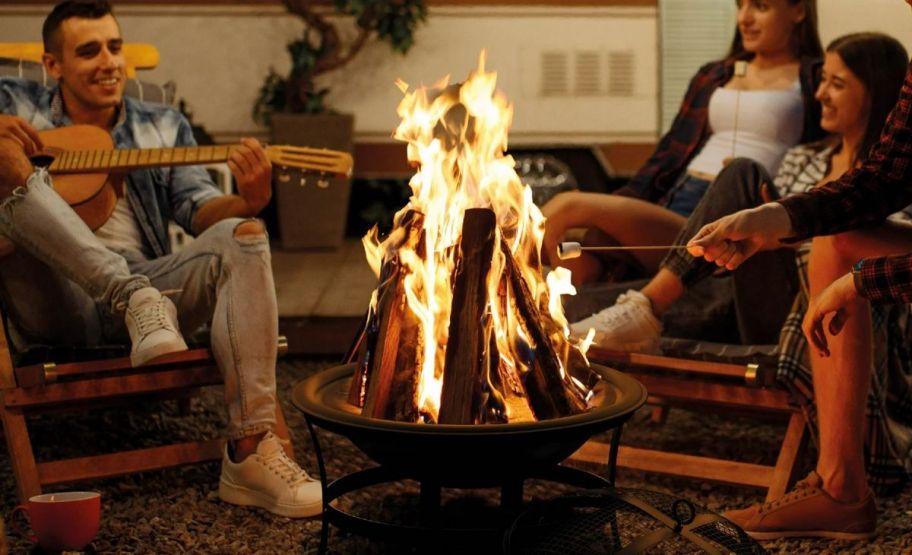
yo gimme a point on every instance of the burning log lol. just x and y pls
(461, 330)
(548, 395)
(465, 369)
(476, 387)
(385, 380)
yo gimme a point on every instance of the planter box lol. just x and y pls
(308, 215)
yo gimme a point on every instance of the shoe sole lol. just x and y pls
(239, 495)
(148, 356)
(829, 534)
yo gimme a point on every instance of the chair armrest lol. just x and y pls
(138, 55)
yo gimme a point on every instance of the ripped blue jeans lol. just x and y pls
(62, 286)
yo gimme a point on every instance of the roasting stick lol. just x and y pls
(568, 250)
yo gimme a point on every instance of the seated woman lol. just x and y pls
(862, 75)
(758, 114)
(855, 104)
(859, 375)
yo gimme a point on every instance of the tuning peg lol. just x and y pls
(303, 181)
(323, 183)
(282, 175)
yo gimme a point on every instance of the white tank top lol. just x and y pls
(769, 122)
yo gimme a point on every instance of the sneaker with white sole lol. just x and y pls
(271, 480)
(628, 325)
(151, 319)
(808, 511)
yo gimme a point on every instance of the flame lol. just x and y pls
(457, 138)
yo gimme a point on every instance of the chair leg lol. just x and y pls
(22, 458)
(790, 455)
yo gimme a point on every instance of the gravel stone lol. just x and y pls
(178, 511)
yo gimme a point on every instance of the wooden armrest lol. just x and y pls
(749, 372)
(34, 375)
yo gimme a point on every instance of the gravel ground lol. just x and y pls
(177, 511)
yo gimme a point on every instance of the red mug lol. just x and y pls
(65, 521)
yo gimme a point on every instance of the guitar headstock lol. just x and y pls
(284, 174)
(320, 160)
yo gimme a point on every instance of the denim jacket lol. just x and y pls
(156, 195)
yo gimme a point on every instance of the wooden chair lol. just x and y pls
(702, 385)
(75, 386)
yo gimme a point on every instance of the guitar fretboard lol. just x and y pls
(87, 161)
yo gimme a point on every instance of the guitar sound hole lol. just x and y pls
(42, 160)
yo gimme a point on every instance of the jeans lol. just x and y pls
(62, 286)
(766, 284)
(685, 195)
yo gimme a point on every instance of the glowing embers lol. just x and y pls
(462, 327)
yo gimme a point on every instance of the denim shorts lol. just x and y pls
(686, 194)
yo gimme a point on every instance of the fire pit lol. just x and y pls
(465, 374)
(458, 456)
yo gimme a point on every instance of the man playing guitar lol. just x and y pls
(65, 284)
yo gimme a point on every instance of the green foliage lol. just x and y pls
(392, 21)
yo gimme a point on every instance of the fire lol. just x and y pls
(457, 137)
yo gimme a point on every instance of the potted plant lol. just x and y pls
(294, 106)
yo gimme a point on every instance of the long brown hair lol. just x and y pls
(879, 61)
(805, 39)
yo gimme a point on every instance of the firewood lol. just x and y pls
(403, 392)
(376, 369)
(465, 367)
(381, 361)
(548, 393)
(493, 393)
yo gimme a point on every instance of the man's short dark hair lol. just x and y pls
(88, 9)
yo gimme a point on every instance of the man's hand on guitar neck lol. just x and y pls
(253, 173)
(16, 129)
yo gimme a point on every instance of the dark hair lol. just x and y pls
(879, 62)
(88, 9)
(805, 39)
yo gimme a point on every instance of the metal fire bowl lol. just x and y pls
(466, 456)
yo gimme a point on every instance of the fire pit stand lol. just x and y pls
(457, 456)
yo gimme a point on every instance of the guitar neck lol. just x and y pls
(129, 159)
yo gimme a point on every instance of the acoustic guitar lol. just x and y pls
(87, 168)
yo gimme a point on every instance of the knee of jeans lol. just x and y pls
(740, 167)
(250, 228)
(250, 232)
(15, 194)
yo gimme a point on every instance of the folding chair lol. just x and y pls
(747, 387)
(704, 375)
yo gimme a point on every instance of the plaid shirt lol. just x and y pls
(690, 129)
(888, 409)
(864, 196)
(156, 195)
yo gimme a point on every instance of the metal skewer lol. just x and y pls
(567, 250)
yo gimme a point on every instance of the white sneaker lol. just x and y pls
(271, 480)
(151, 319)
(628, 325)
